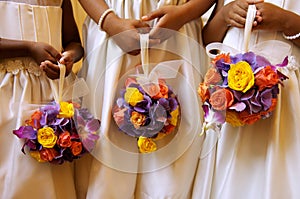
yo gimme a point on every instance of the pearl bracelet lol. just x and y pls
(104, 14)
(291, 37)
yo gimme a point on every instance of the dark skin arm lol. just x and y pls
(19, 48)
(44, 54)
(173, 17)
(275, 18)
(223, 17)
(73, 50)
(113, 25)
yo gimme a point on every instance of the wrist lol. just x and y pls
(112, 24)
(104, 17)
(290, 30)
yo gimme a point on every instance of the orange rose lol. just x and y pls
(203, 92)
(34, 119)
(137, 119)
(163, 90)
(153, 90)
(221, 99)
(129, 81)
(76, 148)
(212, 76)
(64, 139)
(48, 154)
(225, 57)
(266, 78)
(249, 118)
(168, 129)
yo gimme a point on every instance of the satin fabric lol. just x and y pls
(104, 67)
(23, 83)
(259, 160)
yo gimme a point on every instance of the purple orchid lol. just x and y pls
(211, 116)
(26, 132)
(87, 129)
(50, 113)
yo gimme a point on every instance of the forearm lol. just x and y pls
(215, 29)
(292, 26)
(13, 48)
(75, 50)
(94, 8)
(194, 9)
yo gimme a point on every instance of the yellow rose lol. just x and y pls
(174, 117)
(146, 145)
(46, 137)
(133, 96)
(233, 119)
(36, 155)
(66, 110)
(240, 76)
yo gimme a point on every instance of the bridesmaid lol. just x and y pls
(116, 174)
(259, 160)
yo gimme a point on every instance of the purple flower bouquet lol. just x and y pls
(59, 132)
(146, 117)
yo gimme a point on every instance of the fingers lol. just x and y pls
(254, 1)
(153, 15)
(55, 55)
(51, 70)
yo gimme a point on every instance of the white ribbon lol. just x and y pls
(62, 73)
(273, 50)
(163, 70)
(248, 26)
(73, 90)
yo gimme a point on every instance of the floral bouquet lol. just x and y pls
(144, 116)
(240, 89)
(147, 107)
(59, 131)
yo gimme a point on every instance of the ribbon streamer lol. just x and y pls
(163, 70)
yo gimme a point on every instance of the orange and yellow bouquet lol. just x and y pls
(240, 89)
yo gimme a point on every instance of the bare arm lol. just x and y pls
(72, 48)
(39, 51)
(114, 25)
(275, 18)
(70, 35)
(223, 17)
(175, 16)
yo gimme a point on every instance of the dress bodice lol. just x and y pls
(34, 20)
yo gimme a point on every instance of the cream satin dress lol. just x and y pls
(22, 82)
(117, 170)
(260, 160)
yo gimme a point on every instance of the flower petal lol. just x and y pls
(25, 132)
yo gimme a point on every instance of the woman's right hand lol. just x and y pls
(125, 32)
(235, 12)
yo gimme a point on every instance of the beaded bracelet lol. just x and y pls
(291, 37)
(104, 14)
